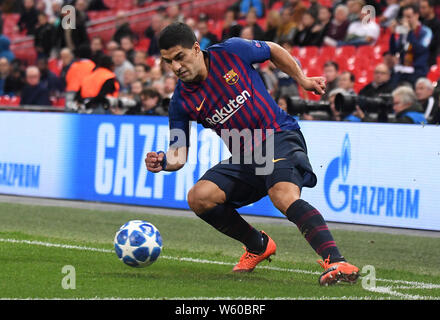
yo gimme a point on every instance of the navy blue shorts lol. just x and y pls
(243, 186)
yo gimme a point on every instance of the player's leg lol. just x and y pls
(209, 203)
(284, 186)
(285, 196)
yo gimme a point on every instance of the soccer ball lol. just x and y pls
(138, 243)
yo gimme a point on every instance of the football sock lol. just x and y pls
(313, 227)
(227, 220)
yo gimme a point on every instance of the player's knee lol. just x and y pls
(283, 194)
(202, 198)
(198, 200)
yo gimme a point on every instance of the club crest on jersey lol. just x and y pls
(231, 77)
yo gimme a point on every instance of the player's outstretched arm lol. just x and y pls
(173, 160)
(286, 63)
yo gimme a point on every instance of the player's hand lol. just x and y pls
(153, 161)
(314, 84)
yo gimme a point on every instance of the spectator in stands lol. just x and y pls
(5, 50)
(48, 79)
(405, 106)
(337, 29)
(362, 31)
(411, 45)
(424, 90)
(251, 21)
(123, 28)
(354, 9)
(28, 17)
(390, 13)
(346, 81)
(97, 86)
(331, 70)
(334, 113)
(14, 82)
(81, 7)
(170, 83)
(128, 46)
(323, 22)
(273, 21)
(121, 64)
(67, 58)
(248, 5)
(151, 104)
(72, 37)
(429, 19)
(129, 78)
(44, 40)
(298, 9)
(174, 14)
(306, 34)
(231, 28)
(247, 33)
(287, 28)
(110, 47)
(34, 93)
(314, 8)
(206, 38)
(5, 69)
(152, 32)
(143, 74)
(381, 83)
(97, 48)
(140, 57)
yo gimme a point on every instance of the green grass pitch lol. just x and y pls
(37, 242)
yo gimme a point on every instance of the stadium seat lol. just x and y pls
(143, 44)
(345, 51)
(328, 52)
(434, 73)
(365, 52)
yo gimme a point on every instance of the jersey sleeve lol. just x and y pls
(179, 123)
(251, 51)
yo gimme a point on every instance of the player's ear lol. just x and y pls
(196, 47)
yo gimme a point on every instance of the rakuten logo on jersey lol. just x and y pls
(222, 115)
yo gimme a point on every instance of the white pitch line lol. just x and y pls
(383, 290)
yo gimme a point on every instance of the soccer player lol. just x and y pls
(220, 89)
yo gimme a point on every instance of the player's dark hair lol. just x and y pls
(175, 34)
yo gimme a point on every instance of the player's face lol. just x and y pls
(184, 62)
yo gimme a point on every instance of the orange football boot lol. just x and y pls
(337, 271)
(249, 260)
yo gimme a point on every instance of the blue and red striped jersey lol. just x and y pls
(233, 96)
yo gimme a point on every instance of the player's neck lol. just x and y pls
(205, 69)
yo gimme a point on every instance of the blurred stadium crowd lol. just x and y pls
(380, 57)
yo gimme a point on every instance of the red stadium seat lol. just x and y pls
(366, 52)
(434, 73)
(345, 51)
(143, 44)
(328, 52)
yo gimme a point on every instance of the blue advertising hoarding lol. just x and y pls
(376, 174)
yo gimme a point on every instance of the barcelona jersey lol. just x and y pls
(233, 96)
